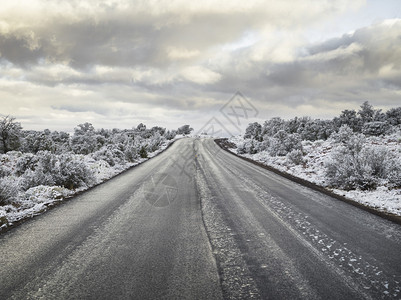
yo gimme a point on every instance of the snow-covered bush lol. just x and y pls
(4, 172)
(35, 141)
(376, 128)
(155, 141)
(282, 143)
(143, 153)
(25, 161)
(254, 130)
(104, 154)
(119, 155)
(393, 116)
(343, 135)
(272, 126)
(184, 130)
(343, 170)
(10, 134)
(8, 189)
(40, 169)
(346, 137)
(362, 168)
(241, 148)
(296, 157)
(264, 145)
(169, 135)
(74, 173)
(131, 152)
(248, 146)
(38, 177)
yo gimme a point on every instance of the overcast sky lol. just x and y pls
(117, 63)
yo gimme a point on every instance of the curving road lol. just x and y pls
(196, 222)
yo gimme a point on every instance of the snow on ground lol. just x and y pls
(313, 170)
(36, 200)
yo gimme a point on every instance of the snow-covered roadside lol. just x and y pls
(383, 199)
(38, 199)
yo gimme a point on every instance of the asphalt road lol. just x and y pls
(196, 222)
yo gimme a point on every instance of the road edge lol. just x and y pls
(223, 144)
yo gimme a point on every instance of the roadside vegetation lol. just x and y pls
(38, 168)
(357, 154)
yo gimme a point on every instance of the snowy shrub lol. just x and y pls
(169, 135)
(393, 171)
(10, 134)
(346, 137)
(3, 172)
(131, 153)
(394, 176)
(394, 116)
(282, 143)
(343, 134)
(35, 141)
(119, 156)
(8, 190)
(296, 157)
(344, 170)
(47, 162)
(376, 160)
(42, 193)
(264, 145)
(184, 130)
(73, 173)
(250, 146)
(143, 153)
(25, 161)
(38, 177)
(42, 171)
(272, 126)
(375, 128)
(155, 141)
(348, 118)
(364, 169)
(254, 130)
(104, 154)
(241, 148)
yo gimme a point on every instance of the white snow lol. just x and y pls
(382, 199)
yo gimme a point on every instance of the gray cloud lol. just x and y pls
(137, 33)
(88, 59)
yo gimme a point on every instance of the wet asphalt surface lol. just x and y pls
(196, 222)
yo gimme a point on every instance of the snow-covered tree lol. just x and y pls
(349, 118)
(35, 141)
(185, 129)
(393, 116)
(272, 126)
(368, 114)
(375, 128)
(254, 130)
(10, 133)
(84, 140)
(282, 143)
